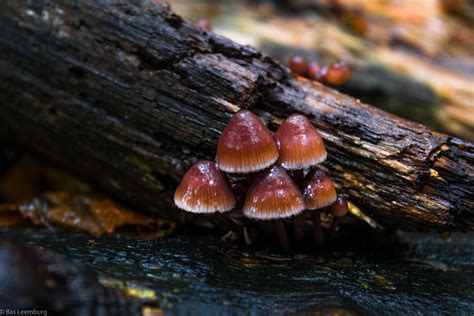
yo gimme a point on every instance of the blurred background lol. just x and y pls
(414, 58)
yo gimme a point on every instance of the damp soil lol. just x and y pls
(402, 273)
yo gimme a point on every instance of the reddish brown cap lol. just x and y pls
(313, 71)
(318, 190)
(204, 24)
(246, 145)
(298, 65)
(299, 143)
(204, 189)
(273, 195)
(336, 74)
(340, 207)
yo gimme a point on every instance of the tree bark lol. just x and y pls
(128, 96)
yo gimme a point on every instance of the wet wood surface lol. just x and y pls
(362, 274)
(128, 96)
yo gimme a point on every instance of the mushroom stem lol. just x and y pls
(298, 226)
(338, 209)
(318, 234)
(247, 239)
(298, 223)
(229, 224)
(280, 231)
(335, 222)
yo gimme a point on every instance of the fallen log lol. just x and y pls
(128, 96)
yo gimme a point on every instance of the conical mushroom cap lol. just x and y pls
(318, 190)
(299, 143)
(273, 195)
(246, 145)
(204, 189)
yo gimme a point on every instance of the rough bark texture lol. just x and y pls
(128, 96)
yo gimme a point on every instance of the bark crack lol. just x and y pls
(437, 152)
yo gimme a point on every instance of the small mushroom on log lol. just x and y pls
(246, 145)
(273, 196)
(313, 71)
(206, 190)
(335, 74)
(298, 65)
(338, 209)
(300, 147)
(319, 192)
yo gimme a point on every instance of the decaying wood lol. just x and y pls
(128, 96)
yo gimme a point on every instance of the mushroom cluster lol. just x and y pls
(283, 183)
(335, 74)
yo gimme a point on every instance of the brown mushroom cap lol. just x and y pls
(246, 145)
(336, 74)
(299, 143)
(340, 207)
(204, 189)
(313, 71)
(273, 195)
(298, 65)
(318, 190)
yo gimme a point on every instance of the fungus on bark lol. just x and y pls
(339, 208)
(336, 73)
(319, 192)
(300, 146)
(314, 71)
(298, 65)
(274, 196)
(204, 189)
(246, 145)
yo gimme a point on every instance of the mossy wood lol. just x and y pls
(128, 96)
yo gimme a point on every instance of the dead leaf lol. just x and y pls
(82, 211)
(74, 207)
(10, 216)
